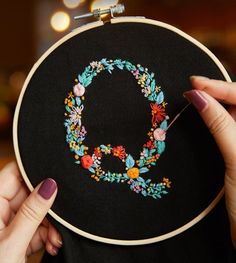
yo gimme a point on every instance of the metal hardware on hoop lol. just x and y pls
(97, 13)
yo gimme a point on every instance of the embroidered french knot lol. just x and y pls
(152, 149)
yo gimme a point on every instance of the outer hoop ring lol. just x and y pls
(17, 111)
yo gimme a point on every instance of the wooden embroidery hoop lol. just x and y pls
(17, 111)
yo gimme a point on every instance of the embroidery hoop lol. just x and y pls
(15, 130)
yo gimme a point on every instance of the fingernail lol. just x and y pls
(60, 243)
(47, 188)
(197, 99)
(55, 251)
(199, 78)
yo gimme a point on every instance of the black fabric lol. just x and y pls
(207, 242)
(116, 112)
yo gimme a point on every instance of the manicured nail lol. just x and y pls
(47, 188)
(60, 243)
(199, 78)
(54, 251)
(197, 99)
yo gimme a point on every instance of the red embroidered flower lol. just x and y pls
(86, 161)
(150, 145)
(119, 152)
(158, 113)
(97, 152)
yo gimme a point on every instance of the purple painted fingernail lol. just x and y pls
(197, 99)
(47, 188)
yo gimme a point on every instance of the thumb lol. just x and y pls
(220, 123)
(31, 214)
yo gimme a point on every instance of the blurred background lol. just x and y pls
(28, 28)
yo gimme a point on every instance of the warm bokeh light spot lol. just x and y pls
(72, 3)
(60, 21)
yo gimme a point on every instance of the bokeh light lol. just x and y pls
(103, 4)
(60, 21)
(72, 3)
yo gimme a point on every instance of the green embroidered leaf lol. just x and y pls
(77, 162)
(143, 170)
(160, 98)
(129, 161)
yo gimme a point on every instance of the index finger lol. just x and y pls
(10, 181)
(220, 90)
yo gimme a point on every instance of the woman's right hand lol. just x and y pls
(205, 97)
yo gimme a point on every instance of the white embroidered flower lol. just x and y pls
(75, 115)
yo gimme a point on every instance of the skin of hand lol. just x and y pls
(205, 96)
(23, 227)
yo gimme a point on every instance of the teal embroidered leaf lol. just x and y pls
(87, 82)
(160, 98)
(81, 80)
(78, 101)
(153, 85)
(163, 125)
(160, 147)
(68, 108)
(143, 170)
(91, 170)
(129, 161)
(77, 162)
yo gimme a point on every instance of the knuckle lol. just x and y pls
(30, 213)
(219, 123)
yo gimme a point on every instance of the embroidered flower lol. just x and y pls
(159, 134)
(96, 160)
(75, 115)
(146, 91)
(86, 161)
(158, 113)
(167, 182)
(150, 145)
(136, 74)
(97, 152)
(94, 64)
(144, 154)
(133, 173)
(79, 90)
(119, 152)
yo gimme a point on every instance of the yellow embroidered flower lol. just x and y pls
(167, 182)
(72, 127)
(99, 170)
(133, 173)
(70, 95)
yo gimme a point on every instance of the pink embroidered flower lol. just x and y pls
(79, 90)
(159, 134)
(136, 74)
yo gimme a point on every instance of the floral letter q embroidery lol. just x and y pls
(152, 149)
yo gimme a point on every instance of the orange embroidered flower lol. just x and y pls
(167, 182)
(119, 152)
(158, 113)
(86, 161)
(133, 173)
